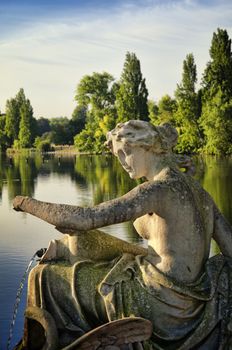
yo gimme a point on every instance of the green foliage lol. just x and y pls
(3, 137)
(153, 112)
(218, 72)
(37, 141)
(94, 92)
(85, 141)
(78, 120)
(105, 124)
(42, 126)
(163, 112)
(131, 98)
(16, 145)
(216, 118)
(61, 131)
(12, 119)
(20, 124)
(43, 145)
(188, 112)
(26, 125)
(167, 107)
(216, 121)
(96, 95)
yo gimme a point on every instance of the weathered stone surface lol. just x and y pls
(89, 278)
(114, 334)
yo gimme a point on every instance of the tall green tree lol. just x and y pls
(216, 118)
(188, 108)
(12, 120)
(3, 137)
(218, 72)
(20, 124)
(27, 125)
(131, 98)
(95, 93)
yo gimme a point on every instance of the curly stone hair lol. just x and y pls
(160, 139)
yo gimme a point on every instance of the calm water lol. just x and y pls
(80, 180)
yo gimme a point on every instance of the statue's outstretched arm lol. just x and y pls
(222, 233)
(142, 199)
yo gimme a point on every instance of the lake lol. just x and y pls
(80, 180)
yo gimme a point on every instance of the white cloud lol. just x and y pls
(49, 56)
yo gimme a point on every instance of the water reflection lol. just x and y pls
(97, 179)
(103, 177)
(214, 174)
(100, 178)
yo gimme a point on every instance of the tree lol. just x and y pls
(188, 108)
(12, 120)
(3, 137)
(216, 118)
(42, 126)
(43, 144)
(167, 107)
(27, 125)
(78, 120)
(218, 73)
(61, 131)
(131, 98)
(95, 93)
(85, 140)
(163, 112)
(216, 121)
(153, 111)
(20, 124)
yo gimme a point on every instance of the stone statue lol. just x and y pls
(89, 278)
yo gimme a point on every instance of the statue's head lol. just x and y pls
(136, 142)
(159, 139)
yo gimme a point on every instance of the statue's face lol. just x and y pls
(133, 159)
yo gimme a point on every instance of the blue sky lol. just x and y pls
(48, 46)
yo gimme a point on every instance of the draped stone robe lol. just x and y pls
(85, 294)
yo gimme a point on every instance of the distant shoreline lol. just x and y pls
(58, 150)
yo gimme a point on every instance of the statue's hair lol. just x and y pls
(160, 139)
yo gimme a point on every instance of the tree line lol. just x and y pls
(203, 116)
(19, 129)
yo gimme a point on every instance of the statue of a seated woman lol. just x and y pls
(89, 278)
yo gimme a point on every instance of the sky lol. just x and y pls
(47, 46)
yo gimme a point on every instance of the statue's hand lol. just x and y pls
(17, 202)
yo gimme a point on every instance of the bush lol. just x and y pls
(43, 145)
